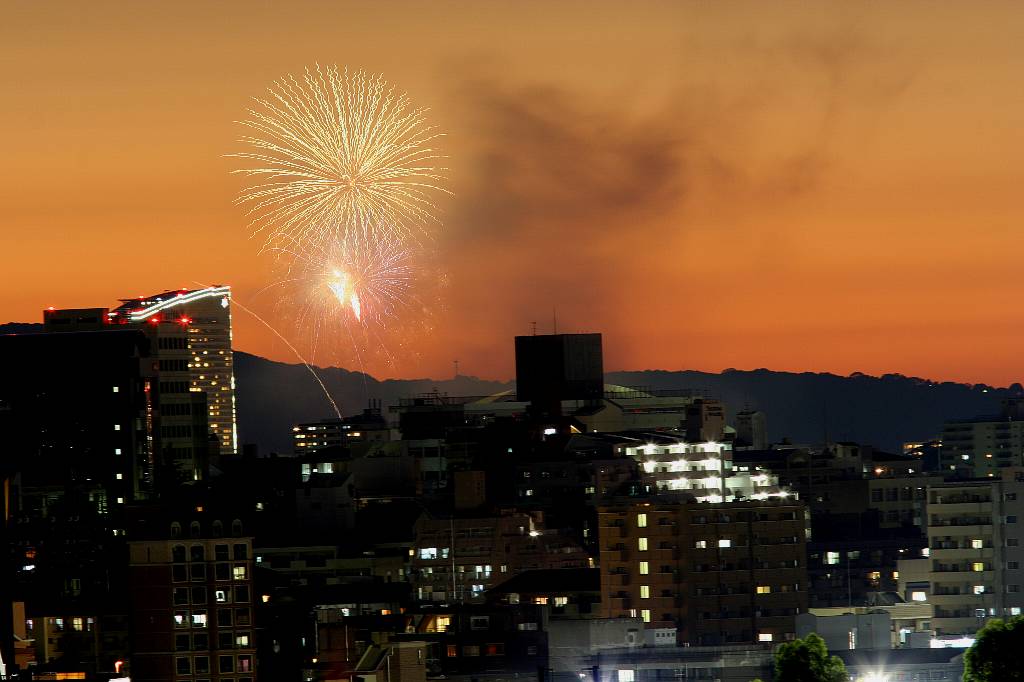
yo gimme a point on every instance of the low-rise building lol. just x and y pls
(457, 559)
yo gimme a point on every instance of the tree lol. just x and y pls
(996, 653)
(807, 660)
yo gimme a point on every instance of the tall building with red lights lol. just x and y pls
(205, 315)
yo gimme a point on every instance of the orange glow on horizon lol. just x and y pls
(710, 185)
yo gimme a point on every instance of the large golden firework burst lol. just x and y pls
(339, 157)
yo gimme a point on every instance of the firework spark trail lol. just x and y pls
(339, 157)
(327, 394)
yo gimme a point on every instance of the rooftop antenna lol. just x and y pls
(456, 363)
(534, 325)
(554, 320)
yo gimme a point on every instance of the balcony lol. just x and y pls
(962, 554)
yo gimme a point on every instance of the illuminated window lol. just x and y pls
(641, 520)
(725, 543)
(117, 451)
(77, 624)
(764, 637)
(764, 589)
(116, 389)
(238, 572)
(645, 614)
(977, 543)
(645, 591)
(977, 566)
(642, 544)
(979, 589)
(832, 558)
(626, 675)
(701, 544)
(918, 595)
(117, 427)
(119, 476)
(645, 568)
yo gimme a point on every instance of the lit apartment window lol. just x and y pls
(832, 558)
(725, 543)
(641, 544)
(976, 543)
(764, 637)
(979, 589)
(117, 427)
(645, 614)
(645, 591)
(645, 568)
(764, 589)
(117, 451)
(918, 596)
(641, 520)
(701, 544)
(120, 500)
(116, 389)
(119, 476)
(977, 567)
(626, 675)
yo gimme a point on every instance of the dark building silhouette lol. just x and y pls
(556, 367)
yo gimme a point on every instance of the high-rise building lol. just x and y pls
(727, 573)
(984, 445)
(77, 413)
(181, 436)
(205, 315)
(975, 536)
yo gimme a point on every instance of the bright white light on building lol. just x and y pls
(874, 677)
(954, 643)
(550, 431)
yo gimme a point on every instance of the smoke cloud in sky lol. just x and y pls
(590, 205)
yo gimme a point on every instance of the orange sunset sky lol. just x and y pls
(798, 186)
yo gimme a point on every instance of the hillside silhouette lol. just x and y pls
(804, 407)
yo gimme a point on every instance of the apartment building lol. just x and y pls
(724, 573)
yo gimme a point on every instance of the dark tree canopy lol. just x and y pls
(807, 660)
(997, 654)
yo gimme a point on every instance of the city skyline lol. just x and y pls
(722, 186)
